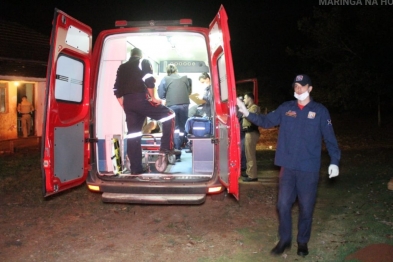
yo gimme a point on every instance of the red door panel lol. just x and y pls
(224, 89)
(66, 116)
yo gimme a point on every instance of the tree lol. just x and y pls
(347, 51)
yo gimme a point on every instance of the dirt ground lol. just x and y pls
(76, 226)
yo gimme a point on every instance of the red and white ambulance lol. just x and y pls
(82, 115)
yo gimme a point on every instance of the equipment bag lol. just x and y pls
(199, 127)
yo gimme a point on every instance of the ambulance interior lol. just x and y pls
(188, 51)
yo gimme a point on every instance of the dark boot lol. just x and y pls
(302, 249)
(280, 248)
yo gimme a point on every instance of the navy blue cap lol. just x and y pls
(302, 79)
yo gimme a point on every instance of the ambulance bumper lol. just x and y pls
(164, 199)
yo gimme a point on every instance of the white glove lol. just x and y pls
(242, 108)
(333, 171)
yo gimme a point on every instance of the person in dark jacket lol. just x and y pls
(134, 89)
(175, 90)
(204, 78)
(303, 125)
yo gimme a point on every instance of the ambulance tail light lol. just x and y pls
(121, 23)
(181, 22)
(185, 21)
(94, 188)
(215, 189)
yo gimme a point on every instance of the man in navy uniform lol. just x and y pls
(303, 124)
(134, 89)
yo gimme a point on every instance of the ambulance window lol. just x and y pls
(222, 74)
(155, 66)
(69, 79)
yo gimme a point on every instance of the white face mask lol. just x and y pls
(302, 97)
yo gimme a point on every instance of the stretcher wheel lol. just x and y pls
(161, 163)
(172, 159)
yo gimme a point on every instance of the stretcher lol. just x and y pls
(116, 157)
(150, 145)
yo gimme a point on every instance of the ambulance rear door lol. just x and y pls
(248, 86)
(65, 151)
(227, 137)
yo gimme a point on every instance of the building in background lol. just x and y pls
(23, 61)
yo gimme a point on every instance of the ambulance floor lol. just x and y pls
(184, 166)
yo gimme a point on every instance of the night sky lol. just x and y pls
(260, 30)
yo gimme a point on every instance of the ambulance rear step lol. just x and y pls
(164, 199)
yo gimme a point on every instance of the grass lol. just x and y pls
(353, 210)
(16, 165)
(362, 214)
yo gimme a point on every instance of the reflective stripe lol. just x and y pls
(162, 120)
(147, 76)
(177, 131)
(199, 128)
(134, 135)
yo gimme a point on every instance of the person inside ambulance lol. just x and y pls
(204, 79)
(175, 90)
(202, 101)
(134, 90)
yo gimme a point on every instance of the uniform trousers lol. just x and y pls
(181, 112)
(250, 144)
(26, 124)
(303, 186)
(137, 108)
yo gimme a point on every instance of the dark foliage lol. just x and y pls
(349, 53)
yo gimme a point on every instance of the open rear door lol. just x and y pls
(65, 152)
(224, 88)
(247, 86)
